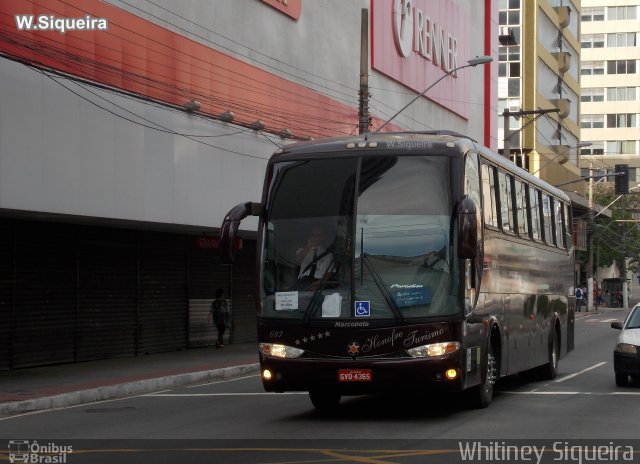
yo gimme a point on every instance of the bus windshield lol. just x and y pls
(359, 238)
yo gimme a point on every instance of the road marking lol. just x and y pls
(223, 381)
(225, 394)
(579, 372)
(617, 393)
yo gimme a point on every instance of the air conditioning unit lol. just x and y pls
(506, 36)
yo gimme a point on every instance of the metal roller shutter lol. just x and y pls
(206, 274)
(163, 307)
(6, 292)
(107, 293)
(45, 294)
(244, 294)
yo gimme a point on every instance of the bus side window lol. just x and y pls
(534, 207)
(547, 219)
(489, 196)
(557, 211)
(568, 226)
(521, 209)
(506, 202)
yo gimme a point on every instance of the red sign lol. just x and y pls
(207, 242)
(416, 42)
(289, 7)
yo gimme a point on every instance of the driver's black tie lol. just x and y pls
(314, 264)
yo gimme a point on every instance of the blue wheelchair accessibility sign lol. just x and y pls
(362, 309)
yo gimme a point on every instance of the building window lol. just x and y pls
(592, 41)
(592, 14)
(621, 13)
(622, 39)
(596, 149)
(621, 147)
(595, 94)
(621, 67)
(513, 87)
(592, 121)
(622, 120)
(623, 93)
(592, 68)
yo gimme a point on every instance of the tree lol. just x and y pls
(614, 239)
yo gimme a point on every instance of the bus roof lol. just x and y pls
(383, 141)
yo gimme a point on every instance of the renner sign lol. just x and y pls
(417, 41)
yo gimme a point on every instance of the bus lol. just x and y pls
(446, 267)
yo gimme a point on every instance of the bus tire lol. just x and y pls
(622, 380)
(482, 394)
(324, 400)
(549, 371)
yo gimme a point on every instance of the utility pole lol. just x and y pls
(363, 107)
(590, 286)
(623, 265)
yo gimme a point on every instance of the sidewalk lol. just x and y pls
(32, 389)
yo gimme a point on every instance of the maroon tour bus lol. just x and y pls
(406, 261)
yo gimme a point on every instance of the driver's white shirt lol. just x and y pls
(322, 265)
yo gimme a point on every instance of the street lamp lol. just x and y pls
(472, 62)
(564, 159)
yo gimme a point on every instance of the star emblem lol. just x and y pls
(353, 349)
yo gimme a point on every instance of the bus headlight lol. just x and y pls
(280, 351)
(434, 350)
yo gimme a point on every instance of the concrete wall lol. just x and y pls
(61, 154)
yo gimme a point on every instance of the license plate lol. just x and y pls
(355, 375)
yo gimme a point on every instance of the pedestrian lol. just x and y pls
(579, 298)
(221, 316)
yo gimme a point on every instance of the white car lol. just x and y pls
(626, 355)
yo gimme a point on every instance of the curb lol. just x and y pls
(123, 390)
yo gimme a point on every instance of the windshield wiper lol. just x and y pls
(364, 258)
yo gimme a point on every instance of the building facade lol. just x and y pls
(540, 82)
(610, 118)
(129, 128)
(610, 71)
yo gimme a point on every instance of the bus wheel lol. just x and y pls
(622, 380)
(549, 371)
(324, 400)
(482, 395)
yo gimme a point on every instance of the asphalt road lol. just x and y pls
(583, 402)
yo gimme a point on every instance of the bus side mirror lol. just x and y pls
(467, 229)
(229, 230)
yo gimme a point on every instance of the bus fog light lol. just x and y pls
(434, 350)
(266, 374)
(280, 351)
(451, 374)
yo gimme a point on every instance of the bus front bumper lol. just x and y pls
(362, 376)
